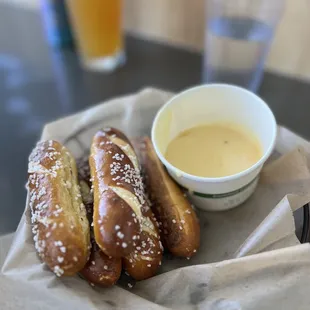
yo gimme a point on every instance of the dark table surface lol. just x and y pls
(39, 84)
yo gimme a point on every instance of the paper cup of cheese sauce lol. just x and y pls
(213, 140)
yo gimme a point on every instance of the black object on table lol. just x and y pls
(39, 84)
(305, 227)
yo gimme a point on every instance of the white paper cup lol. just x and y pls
(210, 104)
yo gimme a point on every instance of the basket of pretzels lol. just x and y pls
(117, 210)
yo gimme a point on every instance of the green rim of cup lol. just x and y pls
(224, 195)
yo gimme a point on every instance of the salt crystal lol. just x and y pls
(120, 235)
(58, 271)
(161, 246)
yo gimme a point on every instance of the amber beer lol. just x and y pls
(98, 30)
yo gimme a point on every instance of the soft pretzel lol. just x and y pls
(179, 226)
(58, 216)
(124, 225)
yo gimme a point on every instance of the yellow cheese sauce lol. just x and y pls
(214, 150)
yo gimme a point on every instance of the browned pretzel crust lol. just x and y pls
(179, 226)
(100, 269)
(124, 225)
(58, 216)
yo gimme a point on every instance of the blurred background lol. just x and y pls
(181, 23)
(56, 60)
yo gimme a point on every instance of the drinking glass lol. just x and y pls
(237, 40)
(98, 31)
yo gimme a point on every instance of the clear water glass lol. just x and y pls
(238, 37)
